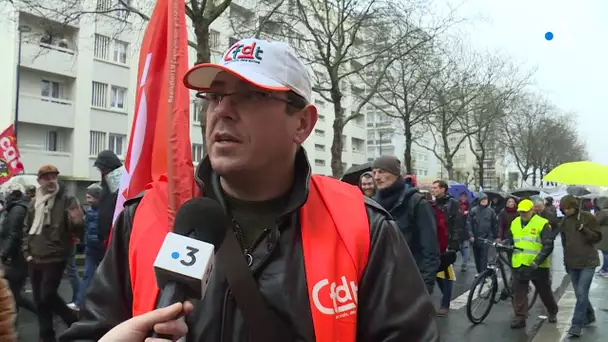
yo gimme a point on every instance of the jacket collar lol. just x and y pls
(209, 182)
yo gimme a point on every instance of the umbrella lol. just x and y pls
(577, 191)
(352, 175)
(526, 192)
(585, 172)
(591, 196)
(455, 189)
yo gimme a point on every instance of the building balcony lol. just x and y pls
(47, 111)
(49, 58)
(32, 160)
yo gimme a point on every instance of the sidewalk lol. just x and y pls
(598, 331)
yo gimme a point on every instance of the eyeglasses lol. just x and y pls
(248, 99)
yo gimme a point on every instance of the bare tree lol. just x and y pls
(559, 143)
(403, 93)
(450, 100)
(520, 128)
(350, 45)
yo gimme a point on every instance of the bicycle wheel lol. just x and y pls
(532, 295)
(483, 290)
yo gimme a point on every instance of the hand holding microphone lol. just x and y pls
(183, 267)
(161, 320)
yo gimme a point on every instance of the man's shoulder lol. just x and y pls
(374, 208)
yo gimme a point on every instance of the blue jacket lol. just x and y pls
(91, 233)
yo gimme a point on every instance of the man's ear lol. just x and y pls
(306, 123)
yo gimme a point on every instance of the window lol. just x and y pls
(97, 142)
(116, 143)
(50, 89)
(321, 118)
(319, 162)
(104, 5)
(197, 152)
(319, 132)
(117, 97)
(214, 39)
(100, 94)
(232, 41)
(102, 47)
(196, 111)
(319, 103)
(119, 53)
(51, 141)
(319, 147)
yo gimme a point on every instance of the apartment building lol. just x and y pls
(466, 168)
(385, 137)
(76, 89)
(74, 96)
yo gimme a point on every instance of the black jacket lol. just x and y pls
(16, 211)
(416, 221)
(454, 220)
(393, 303)
(107, 203)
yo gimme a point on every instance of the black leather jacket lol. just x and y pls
(393, 302)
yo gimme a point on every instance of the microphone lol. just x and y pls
(184, 264)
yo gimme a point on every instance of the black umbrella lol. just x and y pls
(526, 192)
(577, 191)
(352, 175)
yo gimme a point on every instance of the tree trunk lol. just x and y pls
(407, 155)
(449, 167)
(203, 55)
(481, 169)
(337, 143)
(534, 176)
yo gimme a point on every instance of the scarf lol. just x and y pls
(43, 204)
(388, 197)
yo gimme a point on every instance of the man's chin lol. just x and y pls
(224, 165)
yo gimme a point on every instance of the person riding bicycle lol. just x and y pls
(532, 238)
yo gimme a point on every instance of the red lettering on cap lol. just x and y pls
(247, 51)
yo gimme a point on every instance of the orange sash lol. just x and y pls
(336, 241)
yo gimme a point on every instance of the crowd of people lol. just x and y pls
(327, 261)
(531, 225)
(41, 228)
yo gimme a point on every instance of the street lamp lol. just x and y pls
(21, 29)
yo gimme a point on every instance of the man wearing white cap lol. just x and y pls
(259, 114)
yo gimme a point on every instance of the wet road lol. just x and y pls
(456, 327)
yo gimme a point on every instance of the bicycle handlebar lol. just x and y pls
(500, 245)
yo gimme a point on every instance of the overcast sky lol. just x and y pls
(572, 68)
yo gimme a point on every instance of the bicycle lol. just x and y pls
(489, 276)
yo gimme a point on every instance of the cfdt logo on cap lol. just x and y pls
(241, 52)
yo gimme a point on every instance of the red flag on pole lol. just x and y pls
(159, 145)
(10, 159)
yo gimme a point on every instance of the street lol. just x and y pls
(496, 328)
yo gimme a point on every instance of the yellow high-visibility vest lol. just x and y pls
(529, 240)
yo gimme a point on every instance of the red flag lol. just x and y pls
(10, 159)
(159, 144)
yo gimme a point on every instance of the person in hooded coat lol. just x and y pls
(602, 219)
(481, 224)
(107, 163)
(15, 266)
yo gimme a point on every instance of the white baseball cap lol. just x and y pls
(266, 64)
